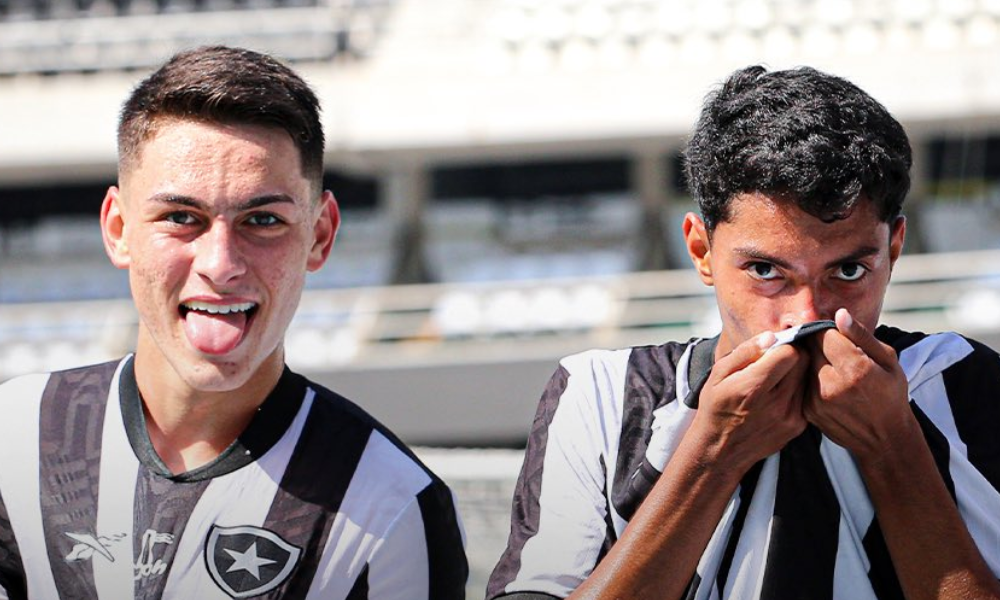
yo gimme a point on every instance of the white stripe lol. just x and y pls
(399, 567)
(746, 576)
(932, 398)
(20, 400)
(979, 505)
(711, 558)
(242, 497)
(932, 355)
(380, 498)
(609, 383)
(850, 573)
(116, 500)
(571, 525)
(978, 502)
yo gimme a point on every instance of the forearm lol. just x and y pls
(659, 551)
(931, 549)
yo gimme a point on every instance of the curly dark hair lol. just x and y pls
(231, 86)
(813, 138)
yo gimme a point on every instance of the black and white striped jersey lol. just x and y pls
(314, 500)
(800, 524)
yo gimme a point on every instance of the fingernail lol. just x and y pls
(765, 340)
(846, 317)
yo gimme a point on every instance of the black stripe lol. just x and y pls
(11, 568)
(161, 506)
(700, 367)
(881, 573)
(314, 484)
(447, 567)
(973, 387)
(70, 434)
(693, 587)
(525, 511)
(527, 596)
(610, 536)
(802, 553)
(649, 384)
(939, 447)
(747, 487)
(897, 338)
(359, 591)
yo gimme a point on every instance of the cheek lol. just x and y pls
(155, 272)
(741, 308)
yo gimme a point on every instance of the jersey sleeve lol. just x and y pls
(559, 519)
(12, 583)
(422, 555)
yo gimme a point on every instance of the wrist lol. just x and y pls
(904, 445)
(716, 453)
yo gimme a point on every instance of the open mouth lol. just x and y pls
(214, 328)
(218, 309)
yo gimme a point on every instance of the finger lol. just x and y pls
(772, 368)
(792, 384)
(781, 363)
(743, 355)
(859, 335)
(811, 398)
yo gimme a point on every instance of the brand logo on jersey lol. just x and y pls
(248, 561)
(146, 565)
(87, 544)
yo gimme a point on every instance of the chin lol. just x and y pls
(217, 375)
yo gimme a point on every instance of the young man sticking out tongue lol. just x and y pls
(201, 465)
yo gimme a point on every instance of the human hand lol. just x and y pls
(751, 404)
(857, 392)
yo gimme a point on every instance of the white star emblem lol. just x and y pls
(248, 561)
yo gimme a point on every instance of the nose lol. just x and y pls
(802, 307)
(217, 255)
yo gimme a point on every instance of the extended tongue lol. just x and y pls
(215, 334)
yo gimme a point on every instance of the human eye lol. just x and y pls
(764, 271)
(180, 217)
(264, 219)
(850, 271)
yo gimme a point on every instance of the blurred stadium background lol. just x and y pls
(509, 176)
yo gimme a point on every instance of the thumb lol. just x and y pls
(864, 339)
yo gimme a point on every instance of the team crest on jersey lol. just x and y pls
(248, 561)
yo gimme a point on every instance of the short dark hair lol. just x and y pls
(807, 136)
(231, 86)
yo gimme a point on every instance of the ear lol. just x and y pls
(324, 231)
(897, 236)
(113, 229)
(698, 246)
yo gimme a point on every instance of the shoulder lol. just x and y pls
(923, 355)
(638, 371)
(598, 393)
(640, 358)
(23, 386)
(97, 376)
(382, 458)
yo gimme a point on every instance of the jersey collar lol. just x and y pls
(273, 417)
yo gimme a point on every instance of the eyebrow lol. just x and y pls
(756, 254)
(252, 203)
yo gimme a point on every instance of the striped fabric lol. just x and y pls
(800, 524)
(315, 500)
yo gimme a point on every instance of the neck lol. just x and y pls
(188, 426)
